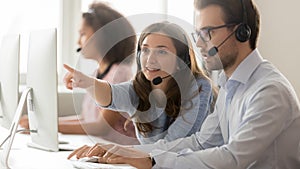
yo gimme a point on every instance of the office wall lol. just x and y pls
(280, 36)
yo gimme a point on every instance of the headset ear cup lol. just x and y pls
(243, 32)
(188, 60)
(138, 61)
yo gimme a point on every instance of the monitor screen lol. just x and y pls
(42, 79)
(9, 78)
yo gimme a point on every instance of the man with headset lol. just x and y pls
(257, 116)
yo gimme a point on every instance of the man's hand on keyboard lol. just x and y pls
(114, 154)
(88, 151)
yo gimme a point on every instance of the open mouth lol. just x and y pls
(152, 69)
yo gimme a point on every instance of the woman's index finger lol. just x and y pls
(70, 69)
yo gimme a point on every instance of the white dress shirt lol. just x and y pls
(255, 124)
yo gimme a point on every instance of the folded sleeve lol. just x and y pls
(124, 98)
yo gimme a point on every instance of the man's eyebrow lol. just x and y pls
(161, 46)
(202, 28)
(205, 27)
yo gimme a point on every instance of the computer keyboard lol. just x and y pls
(91, 163)
(93, 159)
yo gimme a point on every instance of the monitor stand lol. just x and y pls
(13, 129)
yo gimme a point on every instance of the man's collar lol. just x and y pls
(244, 70)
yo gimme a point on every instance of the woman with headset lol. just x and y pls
(170, 95)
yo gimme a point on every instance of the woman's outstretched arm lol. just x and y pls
(99, 89)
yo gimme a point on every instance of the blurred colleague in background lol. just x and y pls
(114, 65)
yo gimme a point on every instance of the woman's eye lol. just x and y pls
(145, 50)
(162, 52)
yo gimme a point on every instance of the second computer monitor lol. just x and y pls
(9, 78)
(42, 78)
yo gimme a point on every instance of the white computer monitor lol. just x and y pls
(9, 78)
(42, 104)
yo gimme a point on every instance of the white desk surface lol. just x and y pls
(23, 157)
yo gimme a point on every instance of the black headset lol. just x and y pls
(243, 31)
(185, 56)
